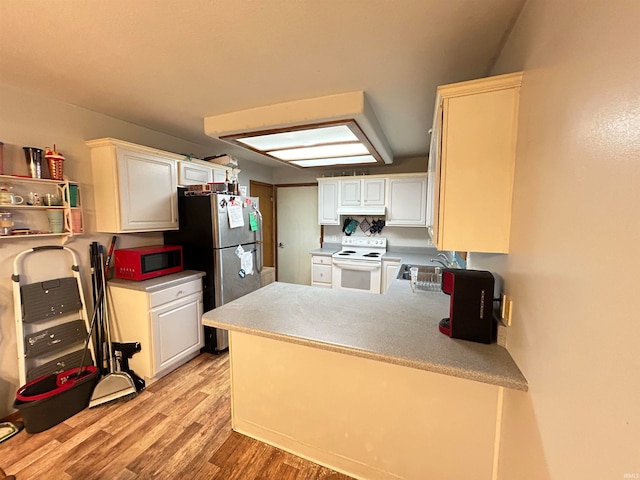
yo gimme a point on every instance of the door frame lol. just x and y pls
(272, 213)
(275, 215)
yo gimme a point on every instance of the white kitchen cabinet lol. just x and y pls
(407, 200)
(328, 202)
(164, 315)
(198, 172)
(134, 187)
(471, 164)
(389, 272)
(362, 192)
(190, 173)
(321, 271)
(220, 174)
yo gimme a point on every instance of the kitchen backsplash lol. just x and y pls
(396, 236)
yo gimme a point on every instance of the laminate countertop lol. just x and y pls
(398, 327)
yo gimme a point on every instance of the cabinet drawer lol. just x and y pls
(321, 273)
(322, 260)
(174, 293)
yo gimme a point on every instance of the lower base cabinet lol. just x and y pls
(164, 315)
(268, 275)
(389, 272)
(321, 271)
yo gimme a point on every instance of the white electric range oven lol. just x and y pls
(358, 266)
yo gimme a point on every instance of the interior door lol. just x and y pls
(298, 232)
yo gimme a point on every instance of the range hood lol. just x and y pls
(379, 210)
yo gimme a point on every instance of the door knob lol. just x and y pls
(280, 245)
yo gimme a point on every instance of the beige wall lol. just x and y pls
(576, 227)
(32, 120)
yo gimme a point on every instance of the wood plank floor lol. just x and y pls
(178, 428)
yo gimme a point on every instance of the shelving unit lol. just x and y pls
(34, 217)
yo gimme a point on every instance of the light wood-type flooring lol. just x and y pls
(178, 428)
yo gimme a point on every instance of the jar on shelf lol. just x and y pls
(6, 223)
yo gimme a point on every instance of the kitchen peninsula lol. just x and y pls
(365, 384)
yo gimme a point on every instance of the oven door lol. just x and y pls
(356, 275)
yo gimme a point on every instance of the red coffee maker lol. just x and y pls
(471, 305)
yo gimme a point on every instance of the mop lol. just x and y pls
(115, 386)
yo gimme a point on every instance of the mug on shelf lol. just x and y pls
(8, 198)
(51, 200)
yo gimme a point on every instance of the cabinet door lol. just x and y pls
(328, 203)
(433, 181)
(219, 175)
(147, 189)
(193, 174)
(407, 202)
(373, 192)
(177, 331)
(477, 174)
(389, 272)
(350, 193)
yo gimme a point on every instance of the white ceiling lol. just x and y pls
(167, 64)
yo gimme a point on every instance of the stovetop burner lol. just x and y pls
(362, 248)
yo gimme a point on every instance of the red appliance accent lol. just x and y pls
(471, 305)
(143, 263)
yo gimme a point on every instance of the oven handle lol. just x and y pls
(358, 266)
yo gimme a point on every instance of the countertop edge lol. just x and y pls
(158, 283)
(452, 371)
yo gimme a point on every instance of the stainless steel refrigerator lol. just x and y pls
(214, 230)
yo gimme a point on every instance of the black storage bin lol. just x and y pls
(51, 399)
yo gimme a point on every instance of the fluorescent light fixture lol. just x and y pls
(334, 130)
(326, 162)
(296, 138)
(325, 151)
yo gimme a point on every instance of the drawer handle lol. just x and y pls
(179, 293)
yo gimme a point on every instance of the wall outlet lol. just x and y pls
(506, 309)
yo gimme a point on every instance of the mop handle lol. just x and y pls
(106, 315)
(109, 255)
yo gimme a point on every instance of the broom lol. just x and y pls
(115, 386)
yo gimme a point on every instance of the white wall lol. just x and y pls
(576, 227)
(32, 120)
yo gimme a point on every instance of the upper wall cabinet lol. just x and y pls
(407, 200)
(471, 164)
(401, 198)
(134, 187)
(362, 192)
(328, 202)
(190, 173)
(196, 172)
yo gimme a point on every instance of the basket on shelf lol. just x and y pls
(56, 162)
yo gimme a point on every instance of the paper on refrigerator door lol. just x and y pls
(234, 211)
(246, 263)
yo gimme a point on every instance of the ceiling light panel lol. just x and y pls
(326, 151)
(277, 130)
(327, 162)
(300, 138)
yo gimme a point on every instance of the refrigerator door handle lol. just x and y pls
(260, 260)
